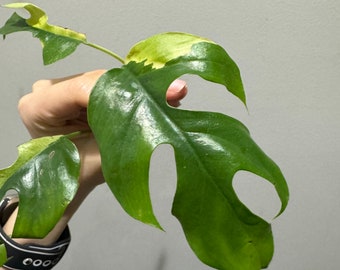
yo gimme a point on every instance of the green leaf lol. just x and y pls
(57, 42)
(190, 52)
(45, 176)
(209, 149)
(3, 254)
(161, 48)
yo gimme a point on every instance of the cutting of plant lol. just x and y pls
(129, 117)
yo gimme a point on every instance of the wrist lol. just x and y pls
(29, 255)
(90, 171)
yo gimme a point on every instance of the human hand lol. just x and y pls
(58, 106)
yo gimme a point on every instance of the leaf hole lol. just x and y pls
(257, 194)
(163, 183)
(9, 213)
(211, 97)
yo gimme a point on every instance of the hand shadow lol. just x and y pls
(161, 262)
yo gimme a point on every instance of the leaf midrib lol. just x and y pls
(183, 134)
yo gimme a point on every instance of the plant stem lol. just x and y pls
(77, 134)
(114, 55)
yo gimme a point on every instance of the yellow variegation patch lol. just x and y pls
(39, 20)
(161, 48)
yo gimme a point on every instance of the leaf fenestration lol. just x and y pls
(209, 149)
(47, 171)
(57, 42)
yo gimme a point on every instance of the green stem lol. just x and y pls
(98, 47)
(77, 134)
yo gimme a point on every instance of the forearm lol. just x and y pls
(87, 182)
(54, 235)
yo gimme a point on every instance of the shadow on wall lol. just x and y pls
(161, 262)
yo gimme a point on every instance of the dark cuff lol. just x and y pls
(30, 256)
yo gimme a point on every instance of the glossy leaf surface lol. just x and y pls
(129, 116)
(190, 54)
(161, 48)
(209, 149)
(45, 176)
(57, 42)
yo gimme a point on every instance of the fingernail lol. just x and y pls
(178, 85)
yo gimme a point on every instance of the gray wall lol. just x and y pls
(289, 56)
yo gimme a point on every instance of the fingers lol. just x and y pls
(58, 106)
(71, 91)
(176, 91)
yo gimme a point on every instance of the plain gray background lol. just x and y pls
(289, 56)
